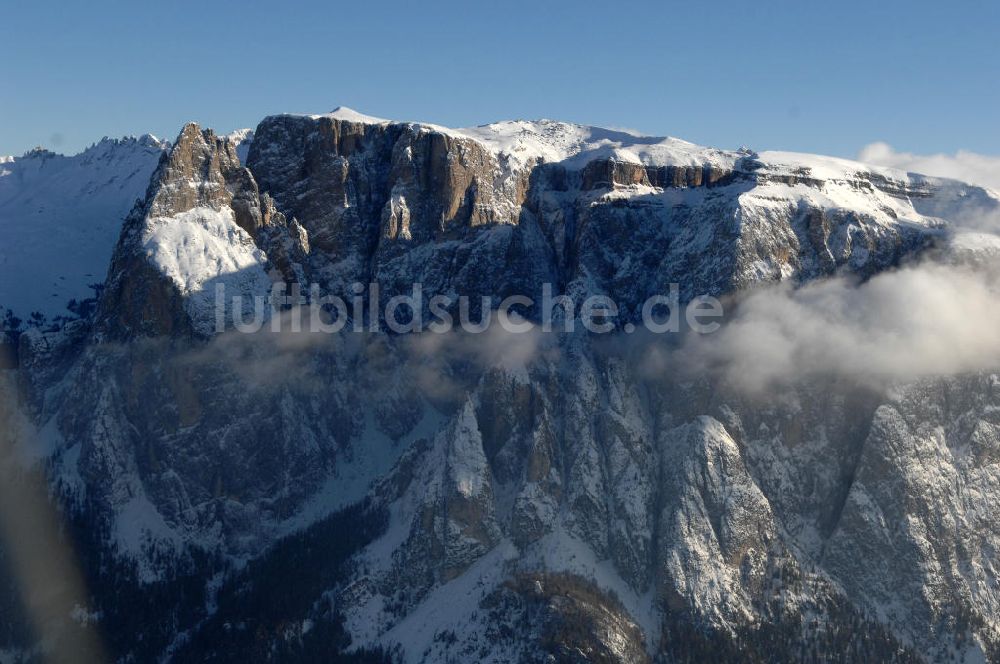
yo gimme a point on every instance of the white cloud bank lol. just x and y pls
(980, 169)
(923, 320)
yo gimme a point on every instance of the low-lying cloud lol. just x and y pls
(928, 319)
(980, 169)
(925, 320)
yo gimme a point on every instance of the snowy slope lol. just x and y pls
(60, 217)
(552, 141)
(241, 138)
(200, 249)
(350, 115)
(528, 141)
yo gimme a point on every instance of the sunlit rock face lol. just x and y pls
(619, 504)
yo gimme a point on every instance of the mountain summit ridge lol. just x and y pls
(603, 155)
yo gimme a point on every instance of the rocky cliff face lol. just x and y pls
(618, 508)
(395, 204)
(203, 223)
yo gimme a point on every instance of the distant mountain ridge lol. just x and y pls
(60, 217)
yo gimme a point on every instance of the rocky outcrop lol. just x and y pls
(570, 620)
(202, 225)
(200, 171)
(397, 204)
(605, 174)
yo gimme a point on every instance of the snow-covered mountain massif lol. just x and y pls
(816, 481)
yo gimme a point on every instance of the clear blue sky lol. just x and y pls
(824, 77)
